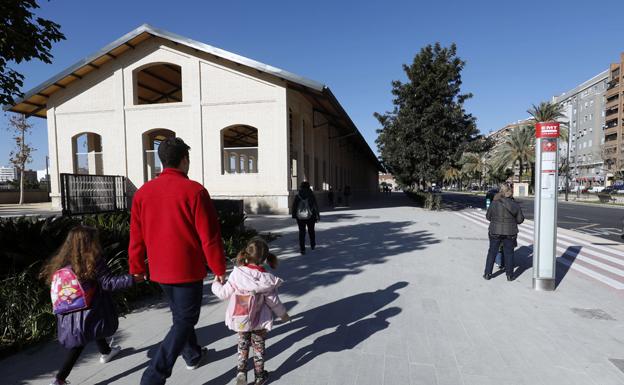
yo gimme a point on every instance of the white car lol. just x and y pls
(596, 189)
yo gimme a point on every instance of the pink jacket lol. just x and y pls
(246, 281)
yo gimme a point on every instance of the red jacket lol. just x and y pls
(174, 223)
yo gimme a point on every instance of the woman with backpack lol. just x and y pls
(306, 212)
(80, 286)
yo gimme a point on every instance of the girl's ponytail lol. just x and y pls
(242, 258)
(272, 261)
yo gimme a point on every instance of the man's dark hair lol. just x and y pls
(171, 151)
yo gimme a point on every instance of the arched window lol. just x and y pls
(87, 154)
(243, 140)
(152, 166)
(158, 83)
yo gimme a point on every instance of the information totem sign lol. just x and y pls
(546, 183)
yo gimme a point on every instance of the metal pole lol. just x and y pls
(546, 181)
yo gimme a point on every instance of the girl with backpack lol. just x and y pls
(80, 289)
(306, 212)
(252, 292)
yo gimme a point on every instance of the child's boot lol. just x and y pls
(262, 378)
(241, 378)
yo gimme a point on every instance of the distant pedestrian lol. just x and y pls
(253, 296)
(80, 286)
(330, 197)
(504, 215)
(306, 212)
(175, 226)
(347, 193)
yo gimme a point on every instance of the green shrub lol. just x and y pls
(429, 201)
(26, 316)
(25, 309)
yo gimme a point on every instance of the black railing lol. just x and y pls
(91, 194)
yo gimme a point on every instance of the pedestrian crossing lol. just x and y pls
(602, 263)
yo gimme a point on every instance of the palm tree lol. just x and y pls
(474, 164)
(451, 174)
(549, 112)
(518, 147)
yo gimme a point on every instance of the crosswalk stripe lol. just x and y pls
(525, 236)
(611, 254)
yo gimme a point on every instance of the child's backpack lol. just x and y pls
(303, 209)
(245, 312)
(68, 293)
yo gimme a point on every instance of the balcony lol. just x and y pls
(611, 131)
(610, 138)
(613, 83)
(612, 110)
(611, 123)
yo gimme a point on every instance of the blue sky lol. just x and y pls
(517, 53)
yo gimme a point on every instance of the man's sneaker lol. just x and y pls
(59, 382)
(202, 360)
(241, 378)
(262, 378)
(104, 358)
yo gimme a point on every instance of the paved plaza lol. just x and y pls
(392, 295)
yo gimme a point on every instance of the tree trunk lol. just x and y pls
(21, 200)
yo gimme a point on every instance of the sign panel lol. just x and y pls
(545, 236)
(547, 130)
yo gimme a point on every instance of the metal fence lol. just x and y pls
(90, 194)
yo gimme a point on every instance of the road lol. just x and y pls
(599, 221)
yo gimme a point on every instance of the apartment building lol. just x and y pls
(7, 174)
(584, 110)
(613, 149)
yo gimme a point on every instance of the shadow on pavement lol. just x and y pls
(565, 263)
(346, 250)
(354, 318)
(523, 260)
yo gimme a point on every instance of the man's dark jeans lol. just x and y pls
(509, 242)
(185, 303)
(309, 223)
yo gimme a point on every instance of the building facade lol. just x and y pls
(256, 132)
(7, 174)
(499, 137)
(584, 110)
(613, 151)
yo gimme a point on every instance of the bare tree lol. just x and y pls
(21, 155)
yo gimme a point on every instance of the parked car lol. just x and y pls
(618, 189)
(596, 189)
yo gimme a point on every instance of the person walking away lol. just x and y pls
(504, 215)
(347, 193)
(253, 296)
(174, 224)
(80, 286)
(306, 212)
(330, 197)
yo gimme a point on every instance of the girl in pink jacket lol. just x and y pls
(253, 301)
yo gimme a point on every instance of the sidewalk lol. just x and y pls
(28, 209)
(391, 296)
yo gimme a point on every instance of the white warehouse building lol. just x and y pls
(255, 131)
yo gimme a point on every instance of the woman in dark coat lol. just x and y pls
(504, 215)
(306, 212)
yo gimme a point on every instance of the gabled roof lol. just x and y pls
(34, 102)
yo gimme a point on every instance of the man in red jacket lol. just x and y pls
(174, 224)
